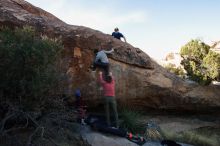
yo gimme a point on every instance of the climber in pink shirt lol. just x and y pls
(109, 94)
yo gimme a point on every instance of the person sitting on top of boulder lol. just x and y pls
(116, 34)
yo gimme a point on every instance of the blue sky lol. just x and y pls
(155, 26)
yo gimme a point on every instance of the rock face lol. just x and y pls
(139, 80)
(173, 59)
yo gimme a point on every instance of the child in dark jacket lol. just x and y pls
(80, 107)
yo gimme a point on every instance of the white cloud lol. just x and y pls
(101, 17)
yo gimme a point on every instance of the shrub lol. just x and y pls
(212, 64)
(28, 64)
(130, 120)
(199, 62)
(176, 70)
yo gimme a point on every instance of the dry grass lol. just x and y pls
(193, 137)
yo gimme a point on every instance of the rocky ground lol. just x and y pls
(57, 127)
(169, 123)
(99, 139)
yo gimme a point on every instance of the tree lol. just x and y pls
(195, 50)
(28, 64)
(176, 70)
(201, 64)
(212, 64)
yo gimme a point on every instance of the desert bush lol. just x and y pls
(212, 64)
(201, 64)
(28, 64)
(176, 70)
(130, 120)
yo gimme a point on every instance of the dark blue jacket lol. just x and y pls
(117, 35)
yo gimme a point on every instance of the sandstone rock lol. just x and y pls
(139, 80)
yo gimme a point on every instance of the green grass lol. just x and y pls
(129, 120)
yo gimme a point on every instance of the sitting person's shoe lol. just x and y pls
(83, 122)
(114, 127)
(92, 68)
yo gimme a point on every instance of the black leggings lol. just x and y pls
(104, 66)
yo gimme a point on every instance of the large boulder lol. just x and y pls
(140, 81)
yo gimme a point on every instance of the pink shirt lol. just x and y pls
(109, 88)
